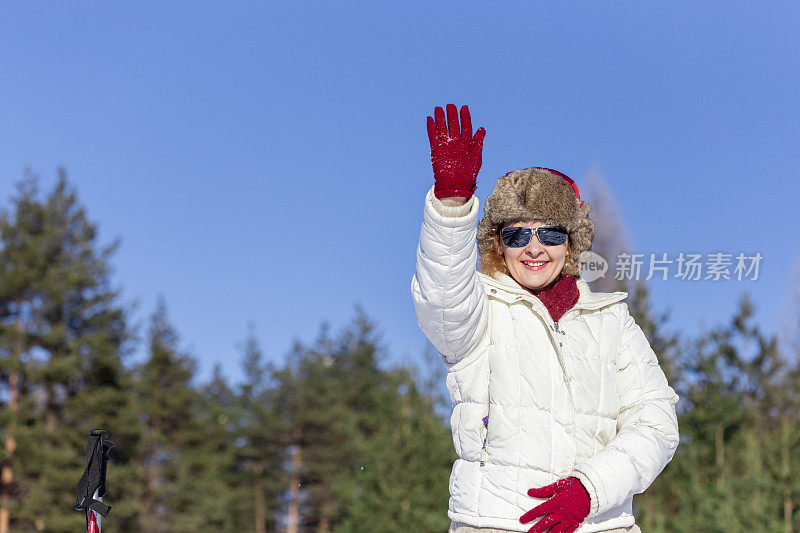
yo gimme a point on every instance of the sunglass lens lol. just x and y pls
(552, 235)
(516, 237)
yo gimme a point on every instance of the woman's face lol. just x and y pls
(534, 266)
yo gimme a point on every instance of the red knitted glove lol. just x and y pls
(567, 507)
(455, 154)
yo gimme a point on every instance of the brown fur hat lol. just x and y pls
(533, 194)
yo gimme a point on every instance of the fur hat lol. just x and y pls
(535, 193)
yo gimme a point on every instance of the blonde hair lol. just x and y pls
(490, 256)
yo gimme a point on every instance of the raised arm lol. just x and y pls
(647, 426)
(448, 298)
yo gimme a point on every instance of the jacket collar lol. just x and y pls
(508, 290)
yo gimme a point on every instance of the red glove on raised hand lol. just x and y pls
(568, 505)
(455, 154)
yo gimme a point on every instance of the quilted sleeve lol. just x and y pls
(449, 299)
(647, 426)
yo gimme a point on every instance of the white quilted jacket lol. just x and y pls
(582, 397)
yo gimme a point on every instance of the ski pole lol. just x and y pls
(92, 486)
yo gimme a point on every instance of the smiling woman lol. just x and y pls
(533, 263)
(561, 412)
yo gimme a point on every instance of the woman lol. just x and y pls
(561, 412)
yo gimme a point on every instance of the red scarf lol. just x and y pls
(559, 297)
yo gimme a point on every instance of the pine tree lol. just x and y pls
(367, 451)
(166, 402)
(261, 434)
(401, 483)
(19, 268)
(726, 474)
(208, 487)
(611, 233)
(782, 445)
(320, 435)
(63, 338)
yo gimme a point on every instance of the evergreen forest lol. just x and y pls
(332, 436)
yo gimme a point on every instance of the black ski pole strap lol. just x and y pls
(94, 477)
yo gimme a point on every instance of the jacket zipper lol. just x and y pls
(558, 333)
(559, 342)
(484, 452)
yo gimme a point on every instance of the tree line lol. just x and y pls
(331, 439)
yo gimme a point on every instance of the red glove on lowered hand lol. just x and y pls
(456, 155)
(567, 507)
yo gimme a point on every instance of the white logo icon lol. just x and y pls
(592, 266)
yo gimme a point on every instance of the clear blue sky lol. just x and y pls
(268, 161)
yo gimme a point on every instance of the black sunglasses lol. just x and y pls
(548, 235)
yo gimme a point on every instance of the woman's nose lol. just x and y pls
(534, 247)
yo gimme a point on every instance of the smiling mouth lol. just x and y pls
(534, 265)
